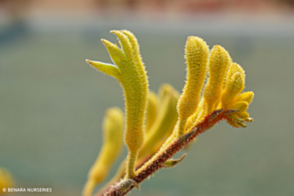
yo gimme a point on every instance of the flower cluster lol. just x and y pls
(157, 126)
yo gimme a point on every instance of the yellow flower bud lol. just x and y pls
(246, 96)
(197, 57)
(112, 144)
(235, 85)
(234, 68)
(219, 62)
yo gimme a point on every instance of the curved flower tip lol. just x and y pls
(106, 68)
(196, 54)
(234, 86)
(219, 62)
(231, 98)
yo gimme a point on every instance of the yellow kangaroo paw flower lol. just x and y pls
(219, 62)
(197, 57)
(186, 118)
(112, 144)
(132, 76)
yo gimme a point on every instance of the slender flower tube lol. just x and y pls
(130, 72)
(112, 144)
(219, 62)
(197, 56)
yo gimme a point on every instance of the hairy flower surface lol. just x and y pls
(197, 56)
(130, 72)
(169, 120)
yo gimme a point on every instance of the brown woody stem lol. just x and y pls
(124, 187)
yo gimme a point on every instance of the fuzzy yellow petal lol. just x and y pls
(135, 45)
(116, 54)
(219, 62)
(234, 68)
(112, 144)
(246, 96)
(235, 85)
(125, 43)
(106, 68)
(197, 57)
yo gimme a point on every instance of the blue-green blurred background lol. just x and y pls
(52, 103)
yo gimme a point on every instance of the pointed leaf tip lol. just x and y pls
(173, 162)
(88, 61)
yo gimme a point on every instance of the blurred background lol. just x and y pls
(52, 103)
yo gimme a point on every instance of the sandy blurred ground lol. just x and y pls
(52, 103)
